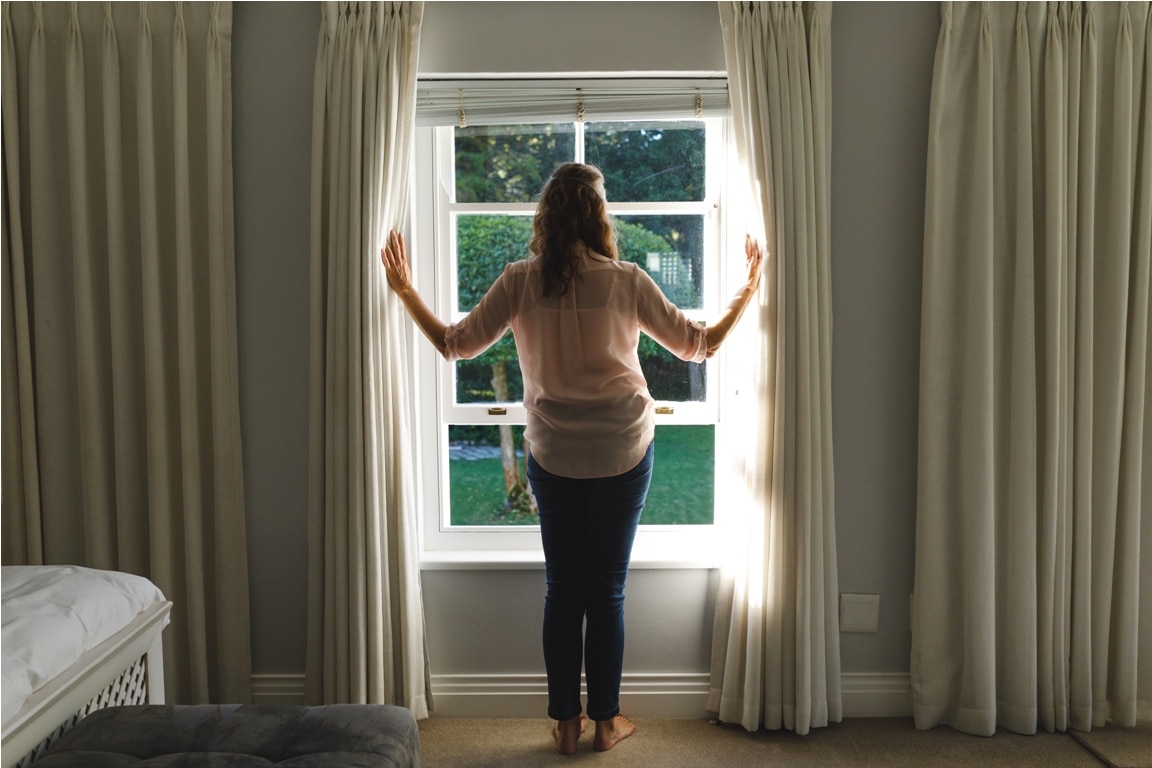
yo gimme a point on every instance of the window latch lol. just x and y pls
(665, 410)
(497, 411)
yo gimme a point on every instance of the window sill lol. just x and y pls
(528, 560)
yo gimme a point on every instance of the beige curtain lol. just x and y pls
(1038, 226)
(365, 614)
(121, 406)
(776, 646)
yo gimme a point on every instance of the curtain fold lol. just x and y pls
(366, 639)
(776, 652)
(121, 404)
(1033, 367)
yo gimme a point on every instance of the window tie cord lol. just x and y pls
(579, 107)
(462, 119)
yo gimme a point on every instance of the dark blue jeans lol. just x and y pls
(587, 527)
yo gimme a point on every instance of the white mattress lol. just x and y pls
(54, 614)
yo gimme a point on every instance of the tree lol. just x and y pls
(642, 161)
(508, 164)
(649, 161)
(484, 245)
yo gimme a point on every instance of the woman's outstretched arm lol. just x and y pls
(400, 280)
(719, 330)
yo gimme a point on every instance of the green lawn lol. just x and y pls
(681, 492)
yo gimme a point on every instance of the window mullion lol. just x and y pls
(493, 208)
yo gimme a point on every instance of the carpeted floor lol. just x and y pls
(856, 743)
(1120, 747)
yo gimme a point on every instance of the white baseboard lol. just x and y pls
(647, 696)
(278, 689)
(887, 694)
(682, 695)
(642, 695)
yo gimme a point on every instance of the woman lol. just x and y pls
(576, 313)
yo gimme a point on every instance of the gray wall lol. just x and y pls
(1144, 686)
(518, 37)
(487, 622)
(881, 80)
(882, 58)
(273, 60)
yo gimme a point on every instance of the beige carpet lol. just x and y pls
(884, 742)
(1120, 747)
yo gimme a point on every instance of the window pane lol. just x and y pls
(671, 250)
(487, 489)
(649, 161)
(486, 476)
(509, 163)
(484, 244)
(670, 378)
(682, 491)
(493, 377)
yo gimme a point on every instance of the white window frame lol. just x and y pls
(443, 545)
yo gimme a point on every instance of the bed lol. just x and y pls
(75, 640)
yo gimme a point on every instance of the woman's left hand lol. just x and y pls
(395, 262)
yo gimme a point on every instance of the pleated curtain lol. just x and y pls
(776, 649)
(366, 641)
(1038, 229)
(121, 406)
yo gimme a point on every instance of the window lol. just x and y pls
(476, 192)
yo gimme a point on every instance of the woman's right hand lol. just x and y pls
(755, 255)
(395, 262)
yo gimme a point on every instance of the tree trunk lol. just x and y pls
(507, 443)
(696, 382)
(531, 497)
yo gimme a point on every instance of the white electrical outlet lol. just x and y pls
(859, 613)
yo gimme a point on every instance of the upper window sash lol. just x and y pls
(670, 412)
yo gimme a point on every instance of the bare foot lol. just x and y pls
(609, 733)
(567, 733)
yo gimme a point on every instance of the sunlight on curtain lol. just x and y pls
(366, 638)
(1033, 367)
(121, 402)
(776, 646)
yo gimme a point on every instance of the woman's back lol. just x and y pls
(589, 410)
(587, 400)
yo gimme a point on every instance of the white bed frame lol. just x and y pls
(127, 668)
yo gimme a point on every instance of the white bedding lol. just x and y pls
(54, 614)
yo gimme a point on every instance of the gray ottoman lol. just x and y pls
(240, 736)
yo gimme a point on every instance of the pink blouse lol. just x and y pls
(589, 410)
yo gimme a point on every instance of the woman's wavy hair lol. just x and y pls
(571, 211)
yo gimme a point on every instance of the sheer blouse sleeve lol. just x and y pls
(666, 324)
(483, 326)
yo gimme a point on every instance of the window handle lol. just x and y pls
(665, 410)
(497, 411)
